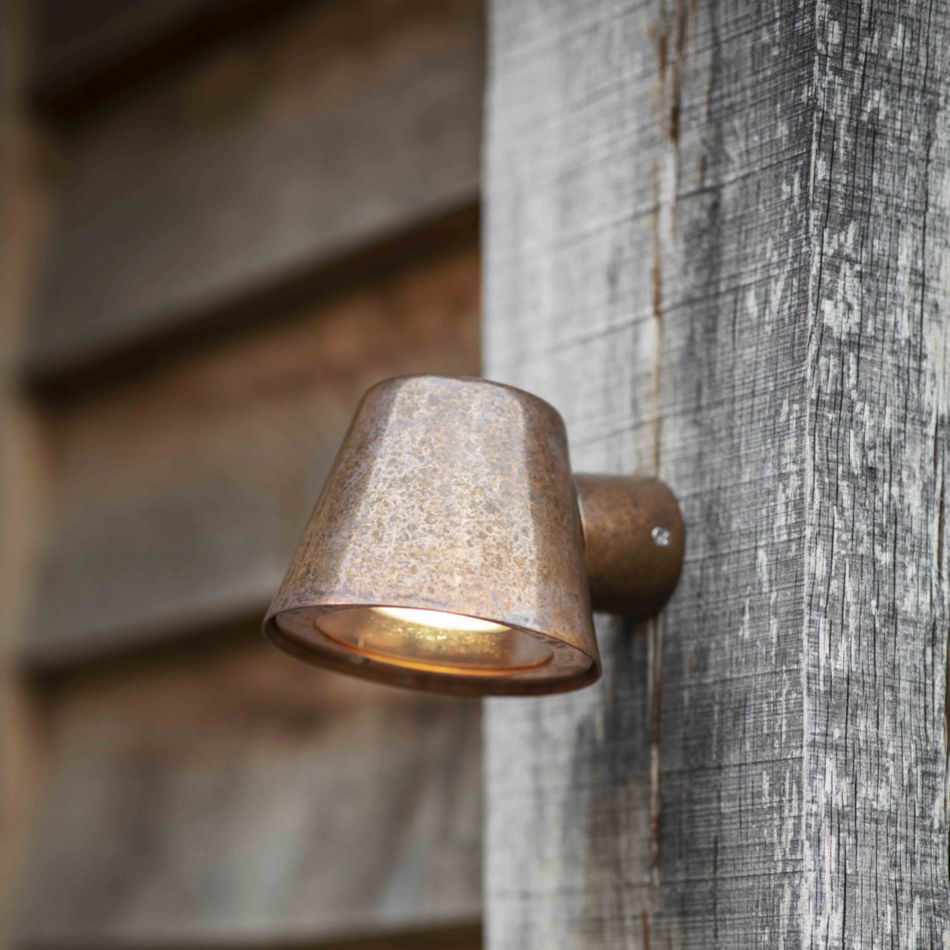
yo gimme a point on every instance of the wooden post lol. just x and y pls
(718, 240)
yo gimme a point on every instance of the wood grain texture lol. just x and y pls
(181, 494)
(237, 796)
(717, 240)
(340, 125)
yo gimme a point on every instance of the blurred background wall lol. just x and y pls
(221, 221)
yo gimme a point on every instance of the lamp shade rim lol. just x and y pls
(393, 382)
(295, 631)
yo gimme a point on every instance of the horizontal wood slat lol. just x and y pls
(465, 937)
(181, 496)
(87, 53)
(236, 795)
(341, 125)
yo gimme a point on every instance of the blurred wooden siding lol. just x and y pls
(337, 127)
(239, 796)
(83, 51)
(181, 496)
(244, 240)
(23, 189)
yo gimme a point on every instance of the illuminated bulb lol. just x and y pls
(434, 640)
(440, 619)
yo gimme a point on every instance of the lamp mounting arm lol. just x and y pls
(633, 542)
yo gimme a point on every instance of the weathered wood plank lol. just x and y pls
(466, 937)
(87, 53)
(181, 494)
(23, 206)
(236, 795)
(717, 239)
(336, 127)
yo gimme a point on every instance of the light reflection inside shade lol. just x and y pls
(439, 619)
(433, 639)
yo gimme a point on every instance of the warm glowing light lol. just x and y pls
(440, 619)
(433, 640)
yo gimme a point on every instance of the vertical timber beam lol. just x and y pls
(718, 240)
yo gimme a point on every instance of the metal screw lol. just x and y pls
(661, 537)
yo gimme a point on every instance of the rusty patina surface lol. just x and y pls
(455, 494)
(450, 494)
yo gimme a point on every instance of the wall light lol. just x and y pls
(452, 549)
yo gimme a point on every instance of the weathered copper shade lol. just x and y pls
(446, 551)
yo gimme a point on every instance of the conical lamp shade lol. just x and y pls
(446, 550)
